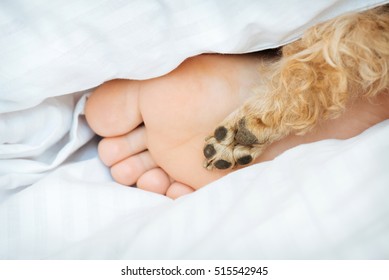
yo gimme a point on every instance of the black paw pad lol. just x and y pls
(245, 160)
(222, 164)
(209, 151)
(220, 133)
(244, 136)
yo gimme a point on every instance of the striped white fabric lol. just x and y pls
(57, 200)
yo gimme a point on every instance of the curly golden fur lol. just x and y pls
(316, 77)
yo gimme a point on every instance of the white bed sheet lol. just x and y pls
(323, 200)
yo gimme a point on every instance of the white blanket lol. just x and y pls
(322, 200)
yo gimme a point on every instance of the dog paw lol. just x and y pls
(234, 143)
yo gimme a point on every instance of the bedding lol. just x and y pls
(321, 200)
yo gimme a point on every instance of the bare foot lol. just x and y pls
(179, 110)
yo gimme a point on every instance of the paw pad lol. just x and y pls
(209, 151)
(244, 160)
(222, 164)
(236, 143)
(220, 133)
(244, 136)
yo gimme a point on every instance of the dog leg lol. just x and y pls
(316, 77)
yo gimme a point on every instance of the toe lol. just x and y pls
(114, 149)
(209, 151)
(244, 160)
(155, 180)
(244, 155)
(177, 190)
(217, 155)
(112, 109)
(129, 170)
(220, 133)
(222, 164)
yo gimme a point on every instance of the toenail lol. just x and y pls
(245, 160)
(220, 133)
(222, 164)
(209, 151)
(244, 136)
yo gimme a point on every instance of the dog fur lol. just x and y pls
(333, 63)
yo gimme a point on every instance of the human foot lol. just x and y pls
(182, 107)
(178, 110)
(132, 164)
(112, 111)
